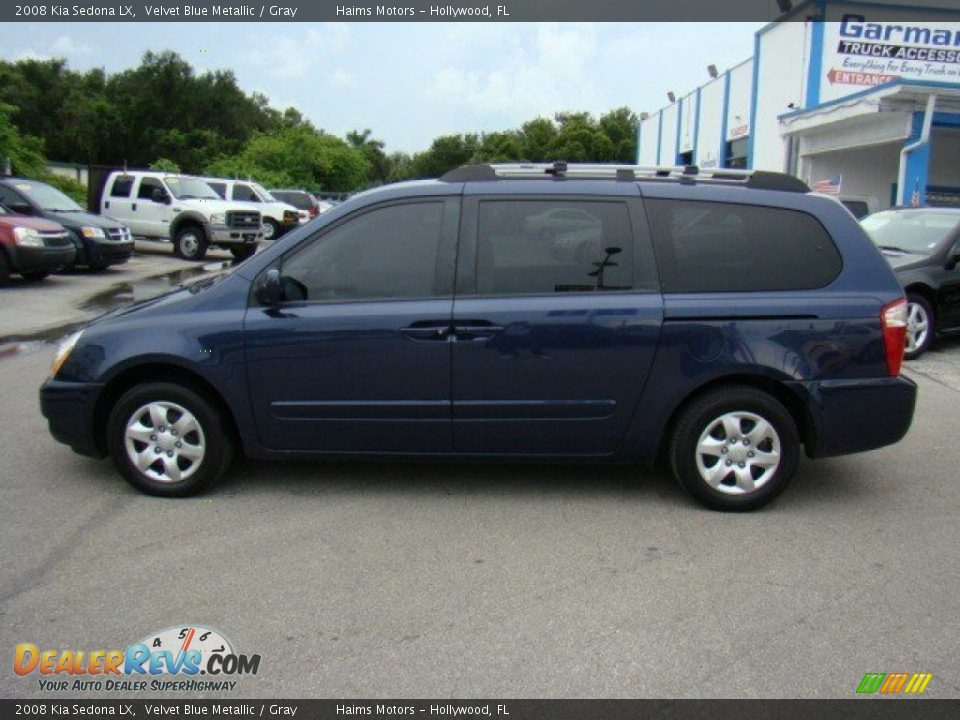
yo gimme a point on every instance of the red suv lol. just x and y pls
(32, 247)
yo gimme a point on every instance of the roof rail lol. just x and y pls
(686, 174)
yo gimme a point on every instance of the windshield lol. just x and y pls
(47, 197)
(184, 188)
(912, 231)
(263, 192)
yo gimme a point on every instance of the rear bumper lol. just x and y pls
(69, 410)
(851, 416)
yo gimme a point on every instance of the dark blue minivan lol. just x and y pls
(718, 319)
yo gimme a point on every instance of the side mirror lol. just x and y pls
(268, 291)
(953, 261)
(20, 208)
(160, 196)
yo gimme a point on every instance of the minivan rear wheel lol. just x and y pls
(165, 439)
(735, 448)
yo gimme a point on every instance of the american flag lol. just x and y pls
(828, 187)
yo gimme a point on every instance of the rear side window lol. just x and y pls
(219, 188)
(122, 186)
(527, 247)
(723, 247)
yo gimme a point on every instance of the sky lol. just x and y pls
(410, 82)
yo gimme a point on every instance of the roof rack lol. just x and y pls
(686, 174)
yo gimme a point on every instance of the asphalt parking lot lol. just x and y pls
(406, 580)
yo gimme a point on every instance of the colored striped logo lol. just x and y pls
(894, 683)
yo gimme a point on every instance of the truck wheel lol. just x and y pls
(190, 243)
(166, 440)
(920, 327)
(271, 229)
(242, 252)
(735, 448)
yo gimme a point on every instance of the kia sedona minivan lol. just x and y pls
(722, 320)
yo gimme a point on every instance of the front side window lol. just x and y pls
(147, 186)
(534, 247)
(244, 193)
(219, 188)
(724, 247)
(386, 253)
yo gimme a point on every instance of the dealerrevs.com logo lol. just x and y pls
(173, 659)
(894, 683)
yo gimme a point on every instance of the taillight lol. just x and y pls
(893, 320)
(314, 211)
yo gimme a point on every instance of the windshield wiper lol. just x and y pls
(893, 248)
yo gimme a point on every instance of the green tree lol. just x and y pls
(24, 151)
(163, 164)
(372, 150)
(297, 157)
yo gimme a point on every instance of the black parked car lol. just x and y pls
(923, 246)
(99, 241)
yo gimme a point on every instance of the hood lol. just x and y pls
(904, 261)
(29, 221)
(208, 206)
(76, 220)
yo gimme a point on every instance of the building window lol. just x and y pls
(736, 154)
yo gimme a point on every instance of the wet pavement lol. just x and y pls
(83, 296)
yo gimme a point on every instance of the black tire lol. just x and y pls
(215, 440)
(191, 243)
(242, 252)
(4, 268)
(35, 276)
(271, 229)
(924, 308)
(702, 415)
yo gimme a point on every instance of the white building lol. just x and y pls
(864, 91)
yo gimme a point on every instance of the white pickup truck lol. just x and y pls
(278, 217)
(182, 209)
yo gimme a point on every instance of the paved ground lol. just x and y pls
(75, 297)
(507, 581)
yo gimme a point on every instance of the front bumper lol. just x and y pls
(223, 235)
(851, 416)
(39, 259)
(69, 410)
(109, 253)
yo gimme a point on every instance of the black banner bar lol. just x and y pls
(413, 11)
(854, 709)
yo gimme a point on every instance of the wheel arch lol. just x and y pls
(926, 292)
(185, 219)
(781, 392)
(129, 377)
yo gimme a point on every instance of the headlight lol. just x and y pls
(92, 232)
(218, 218)
(63, 351)
(27, 237)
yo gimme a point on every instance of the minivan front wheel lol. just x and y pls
(165, 439)
(735, 448)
